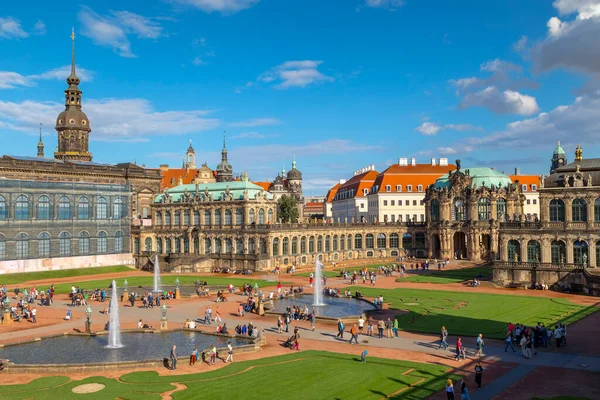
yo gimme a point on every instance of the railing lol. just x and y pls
(521, 225)
(277, 227)
(536, 265)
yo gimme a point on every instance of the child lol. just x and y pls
(363, 356)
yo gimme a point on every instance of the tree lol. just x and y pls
(288, 209)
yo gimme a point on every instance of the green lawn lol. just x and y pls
(147, 281)
(448, 276)
(470, 313)
(11, 279)
(336, 271)
(298, 375)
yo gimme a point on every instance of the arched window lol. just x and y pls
(251, 216)
(84, 243)
(119, 242)
(22, 208)
(148, 244)
(435, 210)
(381, 241)
(239, 246)
(349, 242)
(533, 251)
(2, 247)
(580, 252)
(44, 245)
(484, 208)
(101, 208)
(186, 217)
(177, 245)
(370, 241)
(218, 217)
(342, 242)
(207, 246)
(168, 248)
(83, 208)
(357, 242)
(22, 246)
(501, 209)
(286, 246)
(64, 244)
(579, 208)
(228, 218)
(218, 245)
(159, 219)
(319, 244)
(407, 241)
(514, 250)
(558, 252)
(295, 246)
(598, 253)
(118, 209)
(327, 243)
(459, 209)
(43, 208)
(275, 247)
(64, 208)
(311, 244)
(270, 214)
(207, 217)
(596, 211)
(261, 216)
(239, 216)
(394, 241)
(2, 208)
(177, 218)
(159, 245)
(168, 218)
(196, 217)
(557, 210)
(102, 242)
(336, 241)
(303, 245)
(420, 240)
(263, 246)
(251, 246)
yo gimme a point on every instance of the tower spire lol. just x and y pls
(40, 145)
(73, 79)
(294, 162)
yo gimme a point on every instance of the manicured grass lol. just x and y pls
(11, 279)
(147, 281)
(470, 313)
(336, 271)
(448, 276)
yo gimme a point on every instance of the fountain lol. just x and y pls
(156, 275)
(114, 329)
(318, 294)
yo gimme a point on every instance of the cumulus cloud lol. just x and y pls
(391, 5)
(222, 6)
(504, 74)
(10, 80)
(295, 74)
(432, 129)
(11, 28)
(256, 122)
(501, 102)
(113, 30)
(249, 135)
(39, 28)
(137, 118)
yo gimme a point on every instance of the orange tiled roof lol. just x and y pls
(526, 180)
(331, 193)
(264, 185)
(170, 177)
(359, 182)
(314, 204)
(413, 175)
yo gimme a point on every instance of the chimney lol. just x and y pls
(372, 167)
(164, 167)
(443, 162)
(403, 162)
(413, 161)
(433, 162)
(517, 171)
(342, 181)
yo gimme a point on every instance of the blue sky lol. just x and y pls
(341, 84)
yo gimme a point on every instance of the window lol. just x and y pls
(388, 188)
(484, 208)
(64, 244)
(362, 205)
(407, 202)
(385, 202)
(394, 241)
(159, 219)
(118, 211)
(22, 208)
(228, 218)
(557, 211)
(2, 208)
(580, 252)
(64, 208)
(414, 202)
(420, 188)
(533, 188)
(239, 217)
(83, 208)
(369, 241)
(311, 244)
(393, 202)
(579, 210)
(207, 246)
(514, 250)
(2, 247)
(43, 208)
(534, 201)
(295, 246)
(393, 218)
(422, 202)
(22, 246)
(286, 246)
(558, 251)
(435, 210)
(261, 216)
(381, 241)
(500, 209)
(422, 217)
(196, 217)
(168, 218)
(597, 210)
(275, 247)
(44, 245)
(102, 242)
(303, 244)
(319, 244)
(217, 217)
(207, 217)
(365, 192)
(186, 217)
(119, 242)
(398, 188)
(84, 243)
(459, 209)
(101, 209)
(528, 201)
(159, 245)
(358, 241)
(409, 188)
(270, 216)
(524, 187)
(177, 218)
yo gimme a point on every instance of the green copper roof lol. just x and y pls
(558, 150)
(216, 191)
(482, 176)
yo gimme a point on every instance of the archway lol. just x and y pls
(460, 245)
(485, 246)
(435, 246)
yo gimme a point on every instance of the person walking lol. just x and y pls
(340, 329)
(464, 393)
(279, 325)
(229, 353)
(389, 325)
(194, 356)
(361, 324)
(458, 348)
(478, 374)
(449, 390)
(354, 334)
(479, 351)
(395, 328)
(33, 314)
(443, 338)
(173, 357)
(213, 354)
(218, 316)
(380, 328)
(509, 342)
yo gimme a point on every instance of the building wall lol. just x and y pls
(397, 207)
(60, 263)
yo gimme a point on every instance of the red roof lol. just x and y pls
(359, 182)
(264, 185)
(410, 175)
(170, 177)
(331, 193)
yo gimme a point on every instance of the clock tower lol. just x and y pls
(559, 158)
(72, 125)
(224, 169)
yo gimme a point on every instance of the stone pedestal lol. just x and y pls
(125, 296)
(260, 309)
(163, 324)
(88, 327)
(177, 293)
(6, 318)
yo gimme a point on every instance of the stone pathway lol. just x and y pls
(498, 385)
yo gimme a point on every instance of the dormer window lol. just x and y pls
(398, 188)
(524, 188)
(365, 191)
(420, 188)
(388, 188)
(409, 188)
(533, 187)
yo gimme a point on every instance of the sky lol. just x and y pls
(339, 84)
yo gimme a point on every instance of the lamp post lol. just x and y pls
(177, 291)
(163, 317)
(6, 315)
(88, 320)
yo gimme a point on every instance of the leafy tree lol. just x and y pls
(288, 209)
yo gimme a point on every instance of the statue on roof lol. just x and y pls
(246, 194)
(458, 165)
(589, 180)
(206, 194)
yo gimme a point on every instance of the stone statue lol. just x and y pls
(562, 258)
(585, 260)
(246, 194)
(197, 190)
(516, 257)
(206, 193)
(566, 179)
(542, 180)
(589, 180)
(227, 191)
(458, 165)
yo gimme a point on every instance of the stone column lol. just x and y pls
(569, 249)
(192, 248)
(568, 210)
(523, 246)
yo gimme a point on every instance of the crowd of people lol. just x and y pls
(529, 339)
(25, 306)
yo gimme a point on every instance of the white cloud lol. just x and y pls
(521, 44)
(295, 74)
(249, 135)
(10, 80)
(501, 102)
(432, 129)
(391, 5)
(10, 28)
(446, 150)
(197, 61)
(112, 31)
(39, 28)
(256, 122)
(498, 65)
(136, 120)
(222, 6)
(504, 74)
